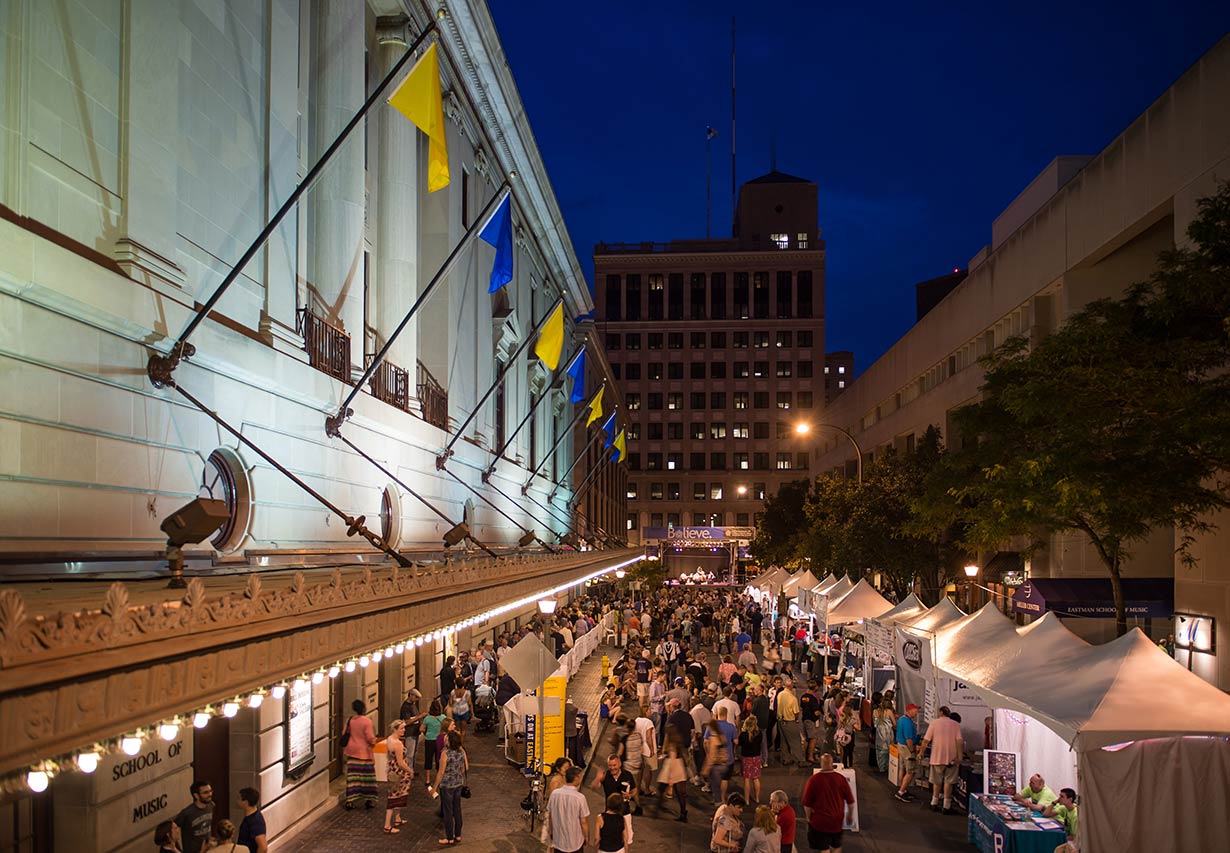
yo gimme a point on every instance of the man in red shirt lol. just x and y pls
(828, 803)
(786, 818)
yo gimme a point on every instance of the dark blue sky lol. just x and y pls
(919, 122)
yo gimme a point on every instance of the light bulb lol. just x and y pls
(255, 700)
(350, 666)
(399, 648)
(377, 655)
(364, 661)
(334, 670)
(169, 730)
(130, 744)
(388, 652)
(37, 780)
(87, 762)
(201, 719)
(230, 709)
(318, 676)
(418, 641)
(279, 690)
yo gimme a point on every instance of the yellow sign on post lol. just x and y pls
(552, 728)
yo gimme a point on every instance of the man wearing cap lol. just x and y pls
(907, 740)
(679, 692)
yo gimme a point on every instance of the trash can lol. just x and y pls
(380, 755)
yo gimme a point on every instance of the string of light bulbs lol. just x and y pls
(87, 759)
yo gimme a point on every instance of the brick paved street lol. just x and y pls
(495, 823)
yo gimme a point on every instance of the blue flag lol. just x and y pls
(577, 372)
(498, 232)
(609, 429)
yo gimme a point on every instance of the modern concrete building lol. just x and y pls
(1085, 228)
(719, 345)
(143, 146)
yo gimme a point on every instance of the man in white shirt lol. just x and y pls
(568, 813)
(731, 706)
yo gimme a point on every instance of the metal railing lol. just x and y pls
(391, 384)
(328, 347)
(432, 397)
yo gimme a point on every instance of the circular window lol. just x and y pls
(390, 517)
(225, 478)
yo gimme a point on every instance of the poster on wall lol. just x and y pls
(299, 725)
(1001, 772)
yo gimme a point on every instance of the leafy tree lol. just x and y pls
(1115, 425)
(782, 524)
(874, 525)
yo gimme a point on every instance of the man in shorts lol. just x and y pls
(828, 804)
(944, 735)
(907, 740)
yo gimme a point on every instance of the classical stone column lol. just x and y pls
(336, 202)
(281, 255)
(144, 246)
(396, 187)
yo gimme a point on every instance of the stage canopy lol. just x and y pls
(862, 602)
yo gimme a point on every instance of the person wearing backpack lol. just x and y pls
(357, 740)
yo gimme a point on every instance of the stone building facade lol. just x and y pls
(143, 147)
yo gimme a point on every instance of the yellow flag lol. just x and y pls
(595, 407)
(417, 97)
(621, 444)
(551, 339)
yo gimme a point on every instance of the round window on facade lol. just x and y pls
(390, 517)
(225, 478)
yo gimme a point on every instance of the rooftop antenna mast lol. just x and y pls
(732, 126)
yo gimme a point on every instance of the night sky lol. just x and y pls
(919, 122)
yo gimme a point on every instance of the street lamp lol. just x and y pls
(971, 572)
(803, 428)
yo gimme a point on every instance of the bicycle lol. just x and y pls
(535, 803)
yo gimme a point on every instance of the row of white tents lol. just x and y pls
(1144, 741)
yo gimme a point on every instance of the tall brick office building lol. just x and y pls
(720, 348)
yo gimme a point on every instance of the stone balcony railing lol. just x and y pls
(80, 663)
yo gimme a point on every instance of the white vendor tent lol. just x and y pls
(862, 602)
(878, 630)
(803, 580)
(1150, 740)
(932, 619)
(807, 597)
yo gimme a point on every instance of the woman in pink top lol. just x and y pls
(360, 763)
(726, 669)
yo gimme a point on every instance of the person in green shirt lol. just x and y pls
(1037, 796)
(1064, 810)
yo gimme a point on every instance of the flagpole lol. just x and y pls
(580, 489)
(546, 393)
(334, 423)
(161, 368)
(491, 504)
(564, 477)
(410, 491)
(448, 448)
(565, 434)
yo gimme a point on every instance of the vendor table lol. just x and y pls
(999, 825)
(969, 781)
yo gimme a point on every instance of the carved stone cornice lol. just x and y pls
(207, 648)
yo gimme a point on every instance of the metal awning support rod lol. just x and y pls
(513, 501)
(499, 377)
(533, 408)
(161, 368)
(492, 504)
(551, 513)
(584, 451)
(353, 525)
(410, 491)
(334, 423)
(563, 435)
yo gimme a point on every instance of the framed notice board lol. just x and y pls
(1001, 772)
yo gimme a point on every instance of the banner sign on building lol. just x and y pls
(681, 535)
(299, 750)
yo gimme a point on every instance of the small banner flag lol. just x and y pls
(595, 407)
(621, 447)
(551, 339)
(577, 372)
(417, 97)
(498, 232)
(609, 429)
